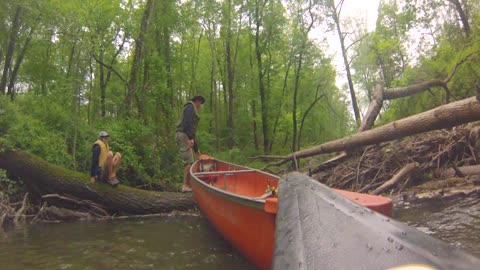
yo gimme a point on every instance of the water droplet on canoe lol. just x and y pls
(390, 239)
(399, 247)
(369, 247)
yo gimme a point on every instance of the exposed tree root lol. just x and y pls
(57, 208)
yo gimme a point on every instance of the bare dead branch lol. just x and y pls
(19, 213)
(402, 174)
(86, 203)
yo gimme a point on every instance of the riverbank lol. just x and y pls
(443, 164)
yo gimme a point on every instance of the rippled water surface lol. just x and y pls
(174, 242)
(190, 242)
(456, 221)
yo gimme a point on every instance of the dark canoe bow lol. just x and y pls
(317, 229)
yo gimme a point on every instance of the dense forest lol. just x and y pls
(70, 69)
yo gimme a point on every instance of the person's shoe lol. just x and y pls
(113, 181)
(186, 189)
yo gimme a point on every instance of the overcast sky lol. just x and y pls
(364, 8)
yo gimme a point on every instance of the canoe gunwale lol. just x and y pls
(223, 172)
(257, 203)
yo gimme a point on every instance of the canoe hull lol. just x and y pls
(233, 198)
(241, 225)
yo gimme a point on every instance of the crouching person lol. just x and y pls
(104, 163)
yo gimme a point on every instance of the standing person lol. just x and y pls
(104, 163)
(185, 136)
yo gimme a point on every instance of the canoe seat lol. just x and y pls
(267, 194)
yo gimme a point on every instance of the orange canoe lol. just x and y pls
(241, 204)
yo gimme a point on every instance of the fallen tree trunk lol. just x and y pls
(374, 108)
(446, 116)
(44, 178)
(399, 92)
(410, 90)
(451, 172)
(379, 95)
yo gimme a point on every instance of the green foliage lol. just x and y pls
(77, 59)
(8, 115)
(9, 187)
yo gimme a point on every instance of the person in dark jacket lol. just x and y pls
(104, 163)
(185, 136)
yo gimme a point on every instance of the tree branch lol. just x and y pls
(109, 68)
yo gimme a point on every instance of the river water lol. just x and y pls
(170, 242)
(456, 222)
(189, 241)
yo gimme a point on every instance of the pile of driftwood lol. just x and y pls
(13, 213)
(445, 157)
(16, 213)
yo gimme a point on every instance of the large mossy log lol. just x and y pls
(43, 178)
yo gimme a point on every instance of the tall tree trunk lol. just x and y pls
(70, 59)
(103, 86)
(298, 70)
(91, 76)
(463, 16)
(104, 80)
(253, 101)
(302, 123)
(336, 18)
(18, 62)
(77, 88)
(143, 93)
(280, 104)
(213, 84)
(11, 48)
(261, 87)
(230, 75)
(132, 84)
(254, 124)
(166, 49)
(44, 79)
